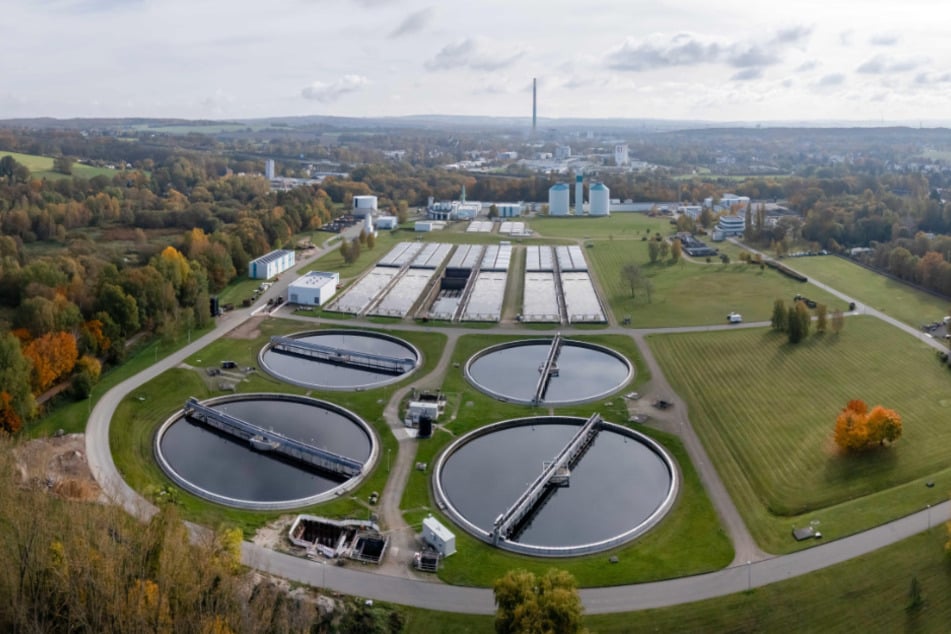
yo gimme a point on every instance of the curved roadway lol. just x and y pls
(751, 567)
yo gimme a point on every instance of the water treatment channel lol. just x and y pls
(251, 473)
(339, 359)
(621, 487)
(548, 371)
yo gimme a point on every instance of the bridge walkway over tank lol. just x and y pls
(547, 370)
(343, 356)
(273, 442)
(528, 502)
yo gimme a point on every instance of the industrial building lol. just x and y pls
(270, 264)
(387, 223)
(269, 169)
(509, 210)
(729, 226)
(558, 199)
(438, 536)
(313, 289)
(364, 205)
(456, 281)
(621, 156)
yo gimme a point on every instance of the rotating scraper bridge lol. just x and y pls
(554, 474)
(342, 356)
(273, 442)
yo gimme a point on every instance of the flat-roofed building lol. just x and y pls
(313, 289)
(271, 264)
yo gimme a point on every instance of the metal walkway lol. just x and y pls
(273, 442)
(547, 370)
(342, 356)
(528, 502)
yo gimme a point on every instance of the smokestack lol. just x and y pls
(534, 104)
(579, 195)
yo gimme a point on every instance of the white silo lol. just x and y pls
(364, 205)
(558, 199)
(579, 195)
(600, 203)
(368, 225)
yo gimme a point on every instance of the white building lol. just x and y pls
(364, 205)
(731, 225)
(558, 203)
(438, 536)
(425, 226)
(563, 152)
(509, 210)
(728, 202)
(600, 203)
(269, 169)
(691, 211)
(313, 289)
(621, 156)
(368, 225)
(271, 264)
(386, 222)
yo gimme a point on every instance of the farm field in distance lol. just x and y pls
(692, 293)
(893, 298)
(766, 410)
(42, 167)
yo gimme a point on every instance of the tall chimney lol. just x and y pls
(534, 104)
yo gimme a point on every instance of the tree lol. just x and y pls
(804, 317)
(371, 240)
(676, 250)
(63, 165)
(793, 326)
(528, 604)
(779, 321)
(653, 250)
(838, 321)
(493, 211)
(632, 276)
(53, 356)
(822, 318)
(858, 429)
(724, 258)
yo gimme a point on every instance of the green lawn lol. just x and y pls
(867, 594)
(893, 298)
(765, 411)
(42, 167)
(691, 293)
(688, 541)
(620, 226)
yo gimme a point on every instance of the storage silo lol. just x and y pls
(558, 199)
(579, 195)
(600, 200)
(364, 205)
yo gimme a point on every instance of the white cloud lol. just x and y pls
(471, 54)
(414, 22)
(881, 64)
(327, 93)
(884, 39)
(831, 80)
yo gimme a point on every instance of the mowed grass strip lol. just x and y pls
(899, 300)
(617, 226)
(766, 410)
(42, 167)
(692, 293)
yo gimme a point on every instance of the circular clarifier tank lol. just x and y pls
(339, 359)
(621, 486)
(579, 372)
(296, 450)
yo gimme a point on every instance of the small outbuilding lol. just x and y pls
(313, 289)
(442, 540)
(271, 264)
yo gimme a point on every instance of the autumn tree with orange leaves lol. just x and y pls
(858, 429)
(53, 355)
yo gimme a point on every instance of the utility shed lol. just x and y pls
(313, 289)
(438, 536)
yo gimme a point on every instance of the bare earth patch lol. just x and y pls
(250, 329)
(59, 464)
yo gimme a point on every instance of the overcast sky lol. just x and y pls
(722, 60)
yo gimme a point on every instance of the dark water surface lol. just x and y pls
(617, 485)
(228, 466)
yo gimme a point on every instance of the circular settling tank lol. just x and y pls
(620, 487)
(340, 359)
(248, 473)
(580, 372)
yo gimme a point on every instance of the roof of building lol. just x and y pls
(559, 186)
(598, 187)
(316, 279)
(270, 257)
(437, 528)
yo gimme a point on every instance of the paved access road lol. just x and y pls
(761, 569)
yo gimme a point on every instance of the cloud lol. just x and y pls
(470, 54)
(926, 79)
(687, 49)
(326, 93)
(881, 64)
(747, 74)
(413, 23)
(807, 66)
(682, 50)
(884, 39)
(828, 81)
(845, 38)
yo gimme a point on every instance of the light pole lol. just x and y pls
(929, 516)
(388, 460)
(749, 575)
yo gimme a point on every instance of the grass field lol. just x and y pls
(892, 298)
(42, 167)
(867, 594)
(688, 541)
(620, 226)
(765, 411)
(690, 293)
